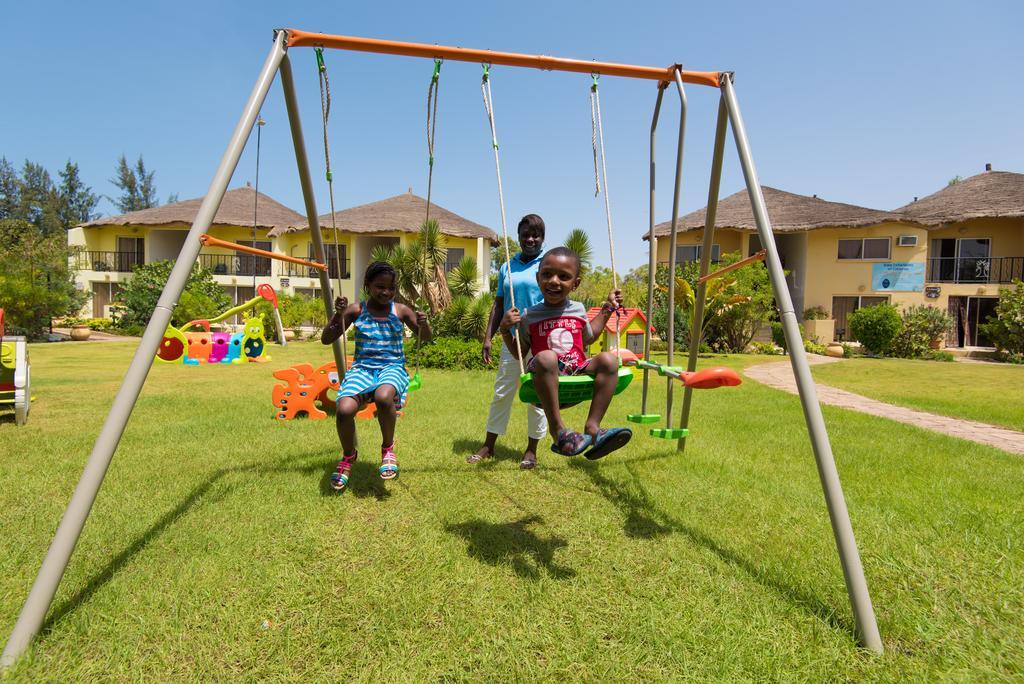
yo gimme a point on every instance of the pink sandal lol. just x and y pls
(339, 478)
(388, 463)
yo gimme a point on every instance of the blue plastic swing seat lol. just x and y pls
(572, 389)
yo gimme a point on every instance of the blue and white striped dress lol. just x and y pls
(380, 357)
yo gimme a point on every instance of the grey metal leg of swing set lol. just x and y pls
(70, 529)
(652, 263)
(705, 263)
(849, 556)
(673, 243)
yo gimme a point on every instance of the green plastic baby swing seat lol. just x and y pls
(572, 389)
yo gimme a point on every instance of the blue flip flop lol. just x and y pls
(571, 443)
(608, 441)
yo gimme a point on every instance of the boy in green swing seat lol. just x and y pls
(556, 333)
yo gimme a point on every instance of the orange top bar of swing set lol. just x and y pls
(211, 241)
(757, 256)
(297, 38)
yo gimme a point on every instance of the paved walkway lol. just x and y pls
(97, 336)
(779, 375)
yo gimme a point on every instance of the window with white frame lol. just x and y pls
(864, 248)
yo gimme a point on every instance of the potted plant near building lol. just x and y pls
(80, 331)
(932, 322)
(820, 328)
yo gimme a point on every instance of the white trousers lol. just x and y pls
(506, 389)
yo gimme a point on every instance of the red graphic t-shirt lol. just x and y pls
(558, 328)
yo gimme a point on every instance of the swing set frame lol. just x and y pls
(44, 588)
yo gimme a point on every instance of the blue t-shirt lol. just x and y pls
(524, 282)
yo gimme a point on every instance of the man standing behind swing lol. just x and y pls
(506, 385)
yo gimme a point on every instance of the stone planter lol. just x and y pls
(834, 350)
(822, 330)
(80, 333)
(289, 334)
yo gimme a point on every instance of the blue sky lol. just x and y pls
(870, 103)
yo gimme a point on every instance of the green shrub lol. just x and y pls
(815, 313)
(847, 350)
(465, 318)
(813, 347)
(779, 335)
(449, 353)
(1007, 328)
(138, 297)
(1006, 357)
(937, 355)
(876, 327)
(767, 348)
(659, 345)
(194, 305)
(919, 327)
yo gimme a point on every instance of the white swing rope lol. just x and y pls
(325, 111)
(433, 95)
(597, 140)
(485, 88)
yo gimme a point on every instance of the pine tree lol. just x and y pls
(10, 197)
(77, 200)
(137, 188)
(39, 199)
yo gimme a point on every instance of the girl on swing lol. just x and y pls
(378, 371)
(556, 333)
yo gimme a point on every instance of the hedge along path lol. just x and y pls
(779, 375)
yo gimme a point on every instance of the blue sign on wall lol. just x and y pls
(897, 277)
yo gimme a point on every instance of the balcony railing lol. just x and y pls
(235, 264)
(299, 271)
(975, 269)
(119, 262)
(683, 263)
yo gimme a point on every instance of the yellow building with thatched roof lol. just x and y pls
(109, 248)
(953, 250)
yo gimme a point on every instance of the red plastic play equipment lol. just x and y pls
(711, 378)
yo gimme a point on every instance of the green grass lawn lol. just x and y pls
(216, 549)
(988, 392)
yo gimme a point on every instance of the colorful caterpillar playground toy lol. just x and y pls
(194, 348)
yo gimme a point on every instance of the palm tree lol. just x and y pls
(464, 279)
(433, 254)
(579, 242)
(474, 321)
(407, 267)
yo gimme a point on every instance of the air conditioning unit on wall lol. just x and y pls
(906, 241)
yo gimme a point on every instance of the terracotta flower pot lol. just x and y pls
(80, 333)
(834, 350)
(935, 344)
(289, 334)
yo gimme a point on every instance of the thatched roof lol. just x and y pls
(236, 209)
(788, 211)
(402, 213)
(989, 194)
